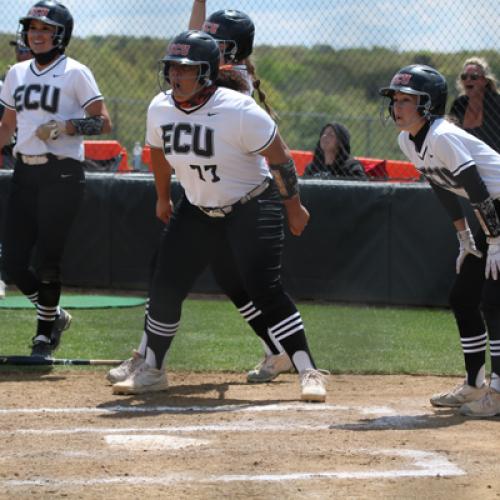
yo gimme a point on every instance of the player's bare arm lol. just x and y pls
(163, 173)
(198, 13)
(7, 127)
(285, 175)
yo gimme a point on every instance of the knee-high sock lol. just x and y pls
(473, 339)
(159, 338)
(47, 307)
(257, 322)
(289, 335)
(492, 320)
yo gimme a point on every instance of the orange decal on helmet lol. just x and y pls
(178, 49)
(38, 11)
(211, 28)
(401, 79)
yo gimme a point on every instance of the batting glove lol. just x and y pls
(467, 246)
(50, 130)
(493, 258)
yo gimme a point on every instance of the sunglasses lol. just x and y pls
(472, 76)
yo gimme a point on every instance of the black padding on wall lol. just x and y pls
(343, 253)
(383, 243)
(423, 248)
(87, 256)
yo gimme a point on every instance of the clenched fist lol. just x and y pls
(50, 130)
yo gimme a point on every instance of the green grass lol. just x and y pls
(213, 337)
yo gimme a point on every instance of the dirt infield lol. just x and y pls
(64, 434)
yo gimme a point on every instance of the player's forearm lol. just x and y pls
(198, 13)
(162, 172)
(5, 136)
(7, 127)
(460, 224)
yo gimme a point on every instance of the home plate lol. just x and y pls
(152, 442)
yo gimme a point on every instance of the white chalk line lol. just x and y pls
(379, 410)
(239, 426)
(426, 464)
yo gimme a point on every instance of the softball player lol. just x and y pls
(214, 138)
(457, 164)
(53, 101)
(234, 30)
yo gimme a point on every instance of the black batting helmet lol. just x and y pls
(194, 48)
(234, 28)
(423, 81)
(52, 13)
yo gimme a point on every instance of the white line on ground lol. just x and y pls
(426, 464)
(239, 426)
(380, 410)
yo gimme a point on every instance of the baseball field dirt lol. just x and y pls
(211, 435)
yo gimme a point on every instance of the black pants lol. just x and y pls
(190, 242)
(254, 234)
(475, 302)
(41, 207)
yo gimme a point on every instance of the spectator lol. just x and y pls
(477, 109)
(332, 156)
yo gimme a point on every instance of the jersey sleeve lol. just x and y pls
(257, 127)
(7, 95)
(86, 88)
(153, 131)
(453, 153)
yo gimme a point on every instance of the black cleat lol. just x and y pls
(62, 322)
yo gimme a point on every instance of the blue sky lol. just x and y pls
(446, 25)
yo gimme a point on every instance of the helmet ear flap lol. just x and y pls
(164, 70)
(391, 108)
(424, 108)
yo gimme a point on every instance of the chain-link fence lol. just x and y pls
(318, 60)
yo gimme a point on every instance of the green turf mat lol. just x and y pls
(76, 301)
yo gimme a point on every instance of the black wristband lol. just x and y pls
(91, 125)
(285, 176)
(488, 217)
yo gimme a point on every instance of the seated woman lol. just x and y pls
(332, 156)
(477, 108)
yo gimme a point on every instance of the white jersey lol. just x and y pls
(447, 151)
(59, 92)
(214, 147)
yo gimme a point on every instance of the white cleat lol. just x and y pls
(123, 372)
(313, 385)
(143, 379)
(269, 368)
(459, 395)
(487, 406)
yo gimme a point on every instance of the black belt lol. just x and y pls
(226, 210)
